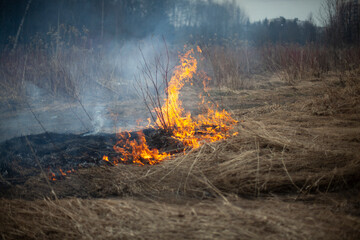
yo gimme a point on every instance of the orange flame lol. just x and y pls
(172, 110)
(52, 176)
(209, 127)
(62, 173)
(192, 132)
(137, 152)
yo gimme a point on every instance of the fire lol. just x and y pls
(212, 125)
(62, 172)
(137, 151)
(208, 127)
(52, 176)
(171, 113)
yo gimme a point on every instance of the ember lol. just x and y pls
(62, 174)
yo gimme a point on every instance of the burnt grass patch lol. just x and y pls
(61, 154)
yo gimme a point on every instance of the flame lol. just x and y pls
(171, 113)
(62, 173)
(52, 176)
(137, 151)
(209, 127)
(212, 125)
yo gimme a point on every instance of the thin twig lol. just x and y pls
(41, 169)
(193, 164)
(76, 96)
(153, 78)
(4, 180)
(287, 172)
(257, 189)
(21, 25)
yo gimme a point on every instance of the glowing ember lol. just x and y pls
(211, 126)
(54, 177)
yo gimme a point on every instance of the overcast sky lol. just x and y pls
(260, 9)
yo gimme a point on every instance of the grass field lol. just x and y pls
(292, 172)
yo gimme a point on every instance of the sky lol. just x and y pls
(260, 9)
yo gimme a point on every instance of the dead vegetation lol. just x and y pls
(292, 172)
(289, 174)
(340, 95)
(135, 219)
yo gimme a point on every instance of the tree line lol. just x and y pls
(177, 21)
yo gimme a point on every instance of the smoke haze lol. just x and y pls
(84, 56)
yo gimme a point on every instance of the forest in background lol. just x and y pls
(101, 22)
(67, 44)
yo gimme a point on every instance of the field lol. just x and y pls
(291, 172)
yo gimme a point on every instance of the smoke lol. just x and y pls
(97, 91)
(106, 95)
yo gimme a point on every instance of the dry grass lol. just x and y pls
(232, 65)
(64, 66)
(259, 162)
(291, 173)
(235, 63)
(275, 180)
(134, 219)
(341, 95)
(68, 66)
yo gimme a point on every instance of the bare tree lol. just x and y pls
(340, 18)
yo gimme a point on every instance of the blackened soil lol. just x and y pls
(20, 157)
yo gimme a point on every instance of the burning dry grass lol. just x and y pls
(171, 118)
(290, 174)
(261, 161)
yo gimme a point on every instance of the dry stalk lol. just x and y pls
(21, 24)
(287, 172)
(154, 80)
(257, 190)
(193, 164)
(41, 169)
